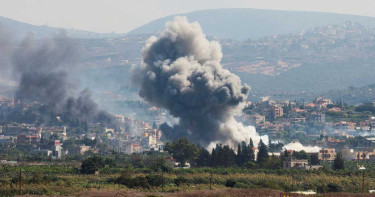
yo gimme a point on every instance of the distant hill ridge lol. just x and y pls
(20, 29)
(245, 23)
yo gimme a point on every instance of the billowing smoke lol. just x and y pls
(181, 72)
(297, 146)
(42, 69)
(6, 48)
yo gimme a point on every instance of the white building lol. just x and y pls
(57, 150)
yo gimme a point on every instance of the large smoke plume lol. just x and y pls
(181, 72)
(43, 67)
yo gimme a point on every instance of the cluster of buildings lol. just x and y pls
(134, 137)
(273, 117)
(329, 155)
(314, 122)
(323, 44)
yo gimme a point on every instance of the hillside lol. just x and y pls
(320, 59)
(316, 60)
(243, 23)
(19, 30)
(324, 58)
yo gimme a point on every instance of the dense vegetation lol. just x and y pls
(60, 180)
(153, 171)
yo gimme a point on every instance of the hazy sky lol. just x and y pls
(122, 16)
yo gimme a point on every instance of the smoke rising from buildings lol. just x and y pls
(42, 69)
(181, 72)
(5, 53)
(296, 146)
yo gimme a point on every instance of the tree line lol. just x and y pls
(221, 156)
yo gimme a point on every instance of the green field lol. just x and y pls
(64, 180)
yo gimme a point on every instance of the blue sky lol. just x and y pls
(122, 16)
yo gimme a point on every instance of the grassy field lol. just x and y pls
(65, 180)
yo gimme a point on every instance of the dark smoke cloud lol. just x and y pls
(6, 47)
(42, 69)
(181, 72)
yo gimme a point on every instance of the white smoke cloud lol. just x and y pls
(181, 72)
(297, 146)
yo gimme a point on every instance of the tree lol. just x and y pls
(286, 153)
(251, 144)
(204, 158)
(247, 153)
(262, 153)
(182, 150)
(275, 147)
(213, 157)
(251, 154)
(273, 163)
(314, 160)
(301, 155)
(157, 163)
(338, 163)
(94, 163)
(223, 156)
(239, 157)
(137, 160)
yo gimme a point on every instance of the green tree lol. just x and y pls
(251, 144)
(301, 155)
(251, 154)
(273, 163)
(223, 156)
(158, 163)
(262, 153)
(239, 157)
(94, 163)
(314, 160)
(137, 160)
(338, 163)
(204, 158)
(182, 150)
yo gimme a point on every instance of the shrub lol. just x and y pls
(250, 165)
(334, 187)
(230, 183)
(140, 181)
(36, 179)
(94, 163)
(154, 180)
(181, 180)
(124, 179)
(271, 184)
(201, 180)
(241, 185)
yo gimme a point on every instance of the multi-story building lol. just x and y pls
(120, 118)
(372, 122)
(348, 154)
(274, 112)
(57, 149)
(82, 149)
(135, 148)
(291, 163)
(327, 154)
